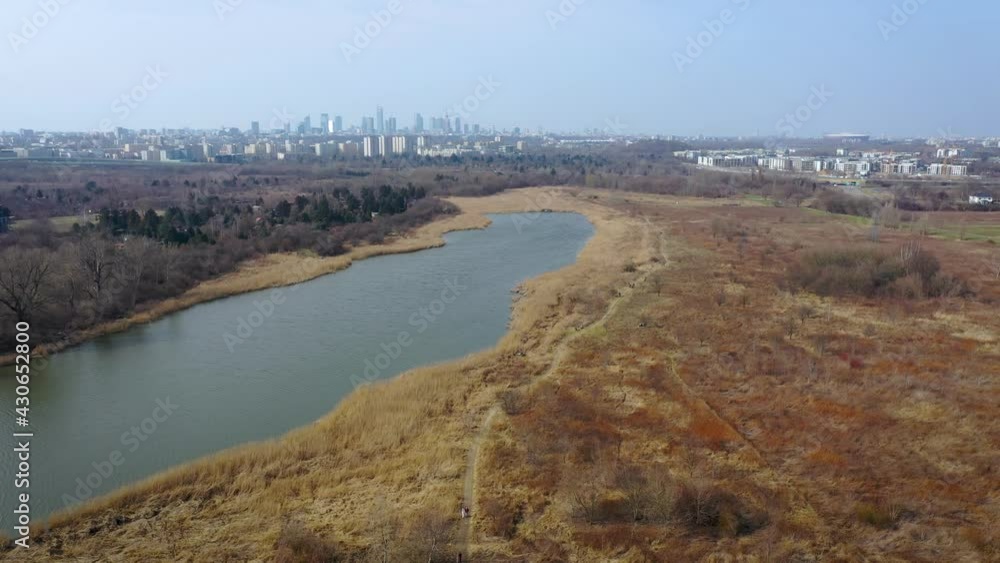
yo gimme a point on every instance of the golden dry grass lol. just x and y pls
(775, 426)
(401, 443)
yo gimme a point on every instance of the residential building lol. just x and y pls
(400, 145)
(947, 170)
(950, 153)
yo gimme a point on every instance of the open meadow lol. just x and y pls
(714, 379)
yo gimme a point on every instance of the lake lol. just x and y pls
(252, 367)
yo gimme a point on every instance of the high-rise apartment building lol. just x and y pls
(374, 146)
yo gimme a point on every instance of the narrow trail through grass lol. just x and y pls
(466, 528)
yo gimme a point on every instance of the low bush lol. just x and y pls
(911, 274)
(298, 545)
(846, 204)
(709, 509)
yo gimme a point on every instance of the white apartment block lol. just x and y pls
(854, 167)
(950, 153)
(400, 145)
(947, 170)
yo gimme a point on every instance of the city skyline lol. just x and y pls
(574, 65)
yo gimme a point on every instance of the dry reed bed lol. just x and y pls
(826, 429)
(399, 444)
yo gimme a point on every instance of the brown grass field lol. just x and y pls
(669, 397)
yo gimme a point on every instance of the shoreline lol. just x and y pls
(270, 271)
(537, 293)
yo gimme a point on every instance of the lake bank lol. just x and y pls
(409, 430)
(268, 272)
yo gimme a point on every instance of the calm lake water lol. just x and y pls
(252, 367)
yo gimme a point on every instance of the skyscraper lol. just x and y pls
(255, 128)
(338, 124)
(324, 122)
(380, 117)
(418, 123)
(391, 126)
(367, 125)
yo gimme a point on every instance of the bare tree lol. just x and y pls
(433, 528)
(587, 490)
(384, 530)
(96, 258)
(132, 266)
(24, 275)
(875, 234)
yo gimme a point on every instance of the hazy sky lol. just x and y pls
(573, 64)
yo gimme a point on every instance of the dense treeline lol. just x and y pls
(128, 260)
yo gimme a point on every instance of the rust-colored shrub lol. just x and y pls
(706, 508)
(299, 545)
